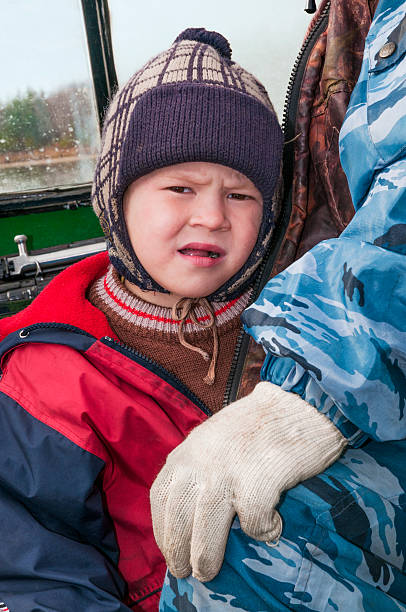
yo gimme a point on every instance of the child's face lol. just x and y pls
(192, 227)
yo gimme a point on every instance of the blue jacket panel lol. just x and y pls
(66, 520)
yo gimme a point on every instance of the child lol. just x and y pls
(114, 363)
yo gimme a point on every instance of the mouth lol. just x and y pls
(210, 251)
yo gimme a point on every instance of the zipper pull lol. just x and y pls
(310, 6)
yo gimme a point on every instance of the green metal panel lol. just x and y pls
(46, 229)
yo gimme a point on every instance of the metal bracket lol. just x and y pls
(25, 264)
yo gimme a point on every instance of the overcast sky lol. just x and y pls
(42, 44)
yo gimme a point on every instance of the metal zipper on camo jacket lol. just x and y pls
(288, 128)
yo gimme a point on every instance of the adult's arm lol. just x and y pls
(333, 324)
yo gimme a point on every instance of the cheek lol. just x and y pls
(248, 234)
(138, 229)
(250, 228)
(152, 233)
(257, 221)
(130, 219)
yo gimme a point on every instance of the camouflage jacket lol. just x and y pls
(333, 326)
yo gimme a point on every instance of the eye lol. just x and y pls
(239, 196)
(179, 189)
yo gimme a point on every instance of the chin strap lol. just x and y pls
(187, 308)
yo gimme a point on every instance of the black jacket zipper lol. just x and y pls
(158, 369)
(122, 348)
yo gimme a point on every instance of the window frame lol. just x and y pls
(103, 73)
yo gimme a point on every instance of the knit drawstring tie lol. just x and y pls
(187, 309)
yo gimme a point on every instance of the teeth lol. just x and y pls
(192, 252)
(196, 253)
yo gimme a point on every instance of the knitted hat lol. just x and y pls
(189, 103)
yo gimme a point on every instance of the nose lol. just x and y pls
(210, 211)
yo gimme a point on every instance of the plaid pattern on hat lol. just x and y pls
(189, 103)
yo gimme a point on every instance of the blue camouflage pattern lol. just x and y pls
(333, 326)
(342, 547)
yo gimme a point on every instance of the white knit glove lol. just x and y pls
(239, 460)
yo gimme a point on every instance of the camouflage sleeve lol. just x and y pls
(333, 324)
(343, 546)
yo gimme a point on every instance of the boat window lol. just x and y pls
(265, 35)
(49, 132)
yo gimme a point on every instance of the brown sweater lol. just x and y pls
(151, 331)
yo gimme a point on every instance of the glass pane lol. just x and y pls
(49, 134)
(265, 35)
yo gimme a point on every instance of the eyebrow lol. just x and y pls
(183, 176)
(238, 182)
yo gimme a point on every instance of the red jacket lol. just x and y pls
(87, 423)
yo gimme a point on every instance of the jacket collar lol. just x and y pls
(64, 301)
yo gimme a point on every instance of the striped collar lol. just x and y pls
(136, 311)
